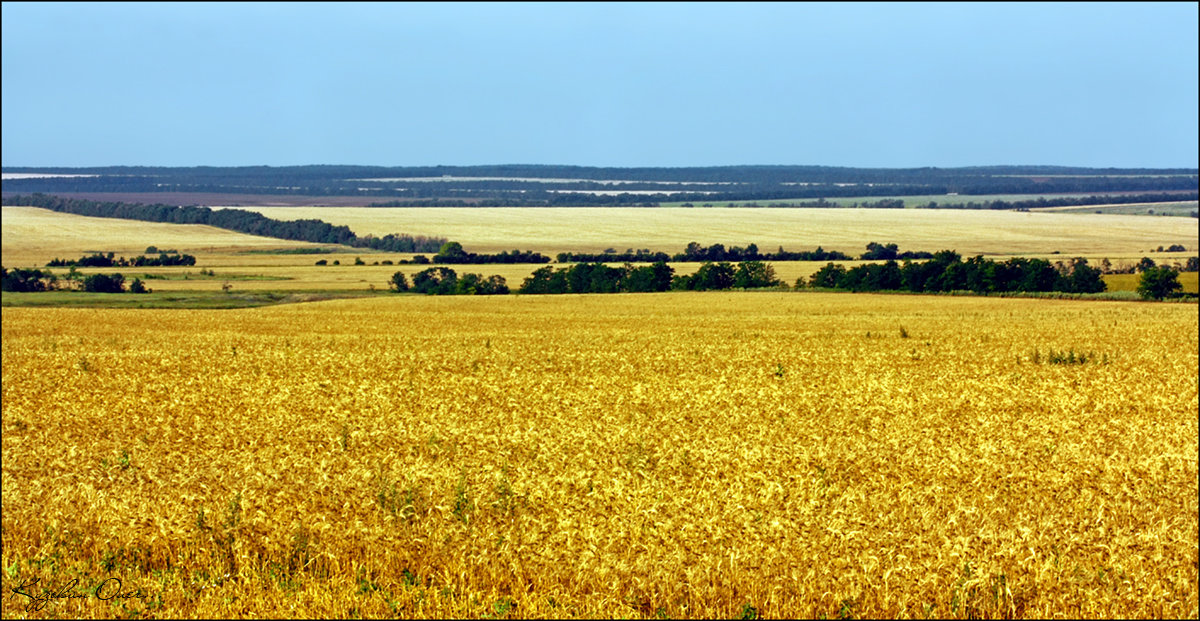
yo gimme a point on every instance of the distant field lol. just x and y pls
(254, 264)
(554, 230)
(1181, 208)
(913, 201)
(33, 236)
(1129, 282)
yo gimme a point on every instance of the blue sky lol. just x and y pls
(626, 84)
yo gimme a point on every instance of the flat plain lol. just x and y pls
(683, 454)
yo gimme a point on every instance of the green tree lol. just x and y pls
(713, 276)
(880, 252)
(19, 279)
(451, 252)
(829, 277)
(467, 284)
(476, 284)
(648, 278)
(435, 281)
(754, 274)
(545, 280)
(886, 277)
(398, 283)
(494, 285)
(104, 283)
(1084, 278)
(1158, 283)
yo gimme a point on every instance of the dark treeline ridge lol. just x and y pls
(695, 253)
(593, 278)
(600, 278)
(102, 260)
(536, 185)
(292, 175)
(946, 271)
(32, 281)
(242, 221)
(1040, 202)
(445, 281)
(452, 252)
(822, 194)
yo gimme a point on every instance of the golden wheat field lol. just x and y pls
(668, 229)
(686, 454)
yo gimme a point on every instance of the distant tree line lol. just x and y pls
(592, 278)
(240, 220)
(399, 242)
(1041, 202)
(24, 280)
(101, 260)
(695, 253)
(445, 281)
(32, 280)
(1192, 264)
(642, 255)
(291, 176)
(946, 271)
(600, 278)
(452, 252)
(574, 185)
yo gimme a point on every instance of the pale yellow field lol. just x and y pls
(554, 230)
(680, 455)
(33, 236)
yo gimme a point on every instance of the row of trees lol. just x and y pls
(1041, 202)
(592, 278)
(452, 253)
(600, 278)
(695, 253)
(946, 271)
(108, 260)
(32, 280)
(445, 281)
(240, 220)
